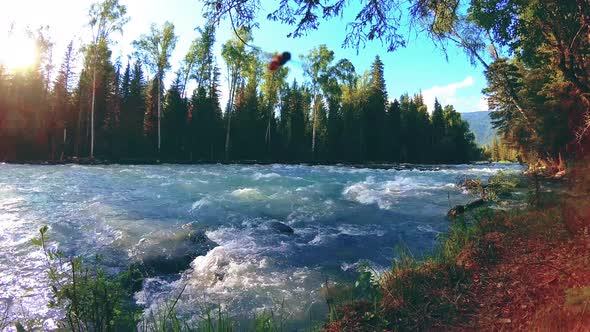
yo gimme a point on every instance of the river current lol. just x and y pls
(341, 217)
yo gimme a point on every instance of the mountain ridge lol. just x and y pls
(480, 124)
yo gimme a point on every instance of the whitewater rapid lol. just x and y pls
(341, 217)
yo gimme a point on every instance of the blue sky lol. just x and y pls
(418, 67)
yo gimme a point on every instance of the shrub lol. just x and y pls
(91, 299)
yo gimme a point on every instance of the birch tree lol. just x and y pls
(155, 50)
(235, 56)
(316, 65)
(105, 18)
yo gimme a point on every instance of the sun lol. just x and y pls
(18, 53)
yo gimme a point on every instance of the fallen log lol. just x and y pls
(461, 209)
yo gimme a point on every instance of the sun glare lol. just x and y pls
(18, 53)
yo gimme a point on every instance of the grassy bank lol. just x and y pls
(524, 268)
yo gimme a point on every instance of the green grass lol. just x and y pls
(427, 293)
(430, 293)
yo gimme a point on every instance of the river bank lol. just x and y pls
(369, 165)
(526, 268)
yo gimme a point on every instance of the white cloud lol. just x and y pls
(448, 95)
(483, 104)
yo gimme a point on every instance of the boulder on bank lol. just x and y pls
(171, 254)
(281, 228)
(461, 209)
(455, 211)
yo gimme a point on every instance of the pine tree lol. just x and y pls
(174, 123)
(374, 114)
(112, 127)
(132, 114)
(393, 132)
(438, 132)
(63, 103)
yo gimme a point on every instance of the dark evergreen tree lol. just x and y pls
(64, 117)
(174, 123)
(132, 114)
(393, 132)
(438, 132)
(373, 119)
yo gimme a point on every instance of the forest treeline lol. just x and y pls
(535, 55)
(123, 111)
(500, 151)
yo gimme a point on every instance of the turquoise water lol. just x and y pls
(341, 217)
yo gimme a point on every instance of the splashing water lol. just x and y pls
(341, 216)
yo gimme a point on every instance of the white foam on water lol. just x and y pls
(326, 233)
(427, 229)
(355, 230)
(239, 275)
(343, 169)
(318, 239)
(375, 269)
(210, 173)
(200, 203)
(248, 194)
(386, 194)
(260, 176)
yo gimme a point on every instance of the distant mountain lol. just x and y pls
(481, 125)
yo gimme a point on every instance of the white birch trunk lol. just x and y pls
(92, 112)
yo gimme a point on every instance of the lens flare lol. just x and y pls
(18, 53)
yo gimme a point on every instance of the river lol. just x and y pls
(341, 217)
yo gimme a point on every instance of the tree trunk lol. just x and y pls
(185, 80)
(159, 116)
(227, 133)
(92, 113)
(267, 137)
(314, 125)
(230, 103)
(63, 149)
(78, 132)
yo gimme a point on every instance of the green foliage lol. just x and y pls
(539, 98)
(90, 299)
(459, 236)
(106, 17)
(366, 289)
(502, 184)
(155, 49)
(500, 152)
(498, 187)
(538, 87)
(367, 284)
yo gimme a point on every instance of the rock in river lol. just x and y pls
(171, 254)
(281, 228)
